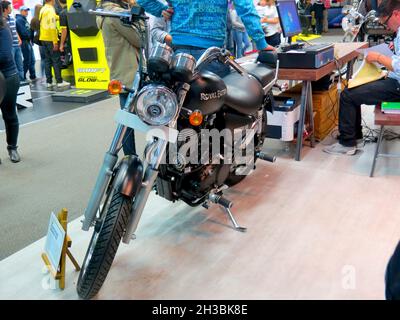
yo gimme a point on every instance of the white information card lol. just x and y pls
(54, 241)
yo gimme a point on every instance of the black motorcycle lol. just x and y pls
(205, 135)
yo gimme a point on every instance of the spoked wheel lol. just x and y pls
(103, 246)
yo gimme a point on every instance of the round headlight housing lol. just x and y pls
(156, 105)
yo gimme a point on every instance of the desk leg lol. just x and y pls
(311, 115)
(349, 72)
(378, 146)
(305, 91)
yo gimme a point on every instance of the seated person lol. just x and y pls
(388, 89)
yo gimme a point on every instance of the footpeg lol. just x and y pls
(266, 157)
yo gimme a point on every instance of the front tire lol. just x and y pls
(103, 246)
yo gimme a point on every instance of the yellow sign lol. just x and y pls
(89, 59)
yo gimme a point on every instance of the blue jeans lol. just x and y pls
(17, 54)
(128, 142)
(216, 67)
(241, 42)
(29, 59)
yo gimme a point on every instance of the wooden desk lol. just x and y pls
(344, 53)
(382, 120)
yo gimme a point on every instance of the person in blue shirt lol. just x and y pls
(10, 87)
(387, 89)
(25, 34)
(6, 7)
(197, 25)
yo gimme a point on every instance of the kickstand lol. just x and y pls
(233, 220)
(226, 205)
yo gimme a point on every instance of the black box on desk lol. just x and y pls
(311, 57)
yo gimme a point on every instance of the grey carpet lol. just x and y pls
(60, 159)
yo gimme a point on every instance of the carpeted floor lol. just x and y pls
(60, 159)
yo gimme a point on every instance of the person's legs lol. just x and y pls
(42, 60)
(27, 56)
(9, 111)
(319, 25)
(32, 71)
(18, 61)
(238, 37)
(304, 24)
(274, 40)
(246, 42)
(325, 21)
(350, 106)
(48, 51)
(56, 62)
(128, 144)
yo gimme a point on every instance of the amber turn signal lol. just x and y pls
(196, 118)
(115, 87)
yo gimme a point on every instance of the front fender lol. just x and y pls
(129, 176)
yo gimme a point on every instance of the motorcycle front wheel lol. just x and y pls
(103, 245)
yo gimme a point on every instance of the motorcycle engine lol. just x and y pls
(190, 180)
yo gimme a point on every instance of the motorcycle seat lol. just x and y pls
(261, 72)
(244, 94)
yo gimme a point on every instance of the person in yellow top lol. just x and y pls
(49, 40)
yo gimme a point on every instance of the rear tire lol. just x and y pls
(103, 246)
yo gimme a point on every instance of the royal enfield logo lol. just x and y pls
(91, 70)
(212, 95)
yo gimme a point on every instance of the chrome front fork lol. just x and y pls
(106, 172)
(155, 157)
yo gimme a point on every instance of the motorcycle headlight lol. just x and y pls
(156, 105)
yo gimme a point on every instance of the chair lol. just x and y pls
(382, 120)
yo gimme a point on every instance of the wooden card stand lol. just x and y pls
(59, 273)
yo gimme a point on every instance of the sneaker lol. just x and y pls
(339, 149)
(14, 155)
(49, 85)
(360, 142)
(63, 84)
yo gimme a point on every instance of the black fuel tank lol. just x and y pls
(207, 93)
